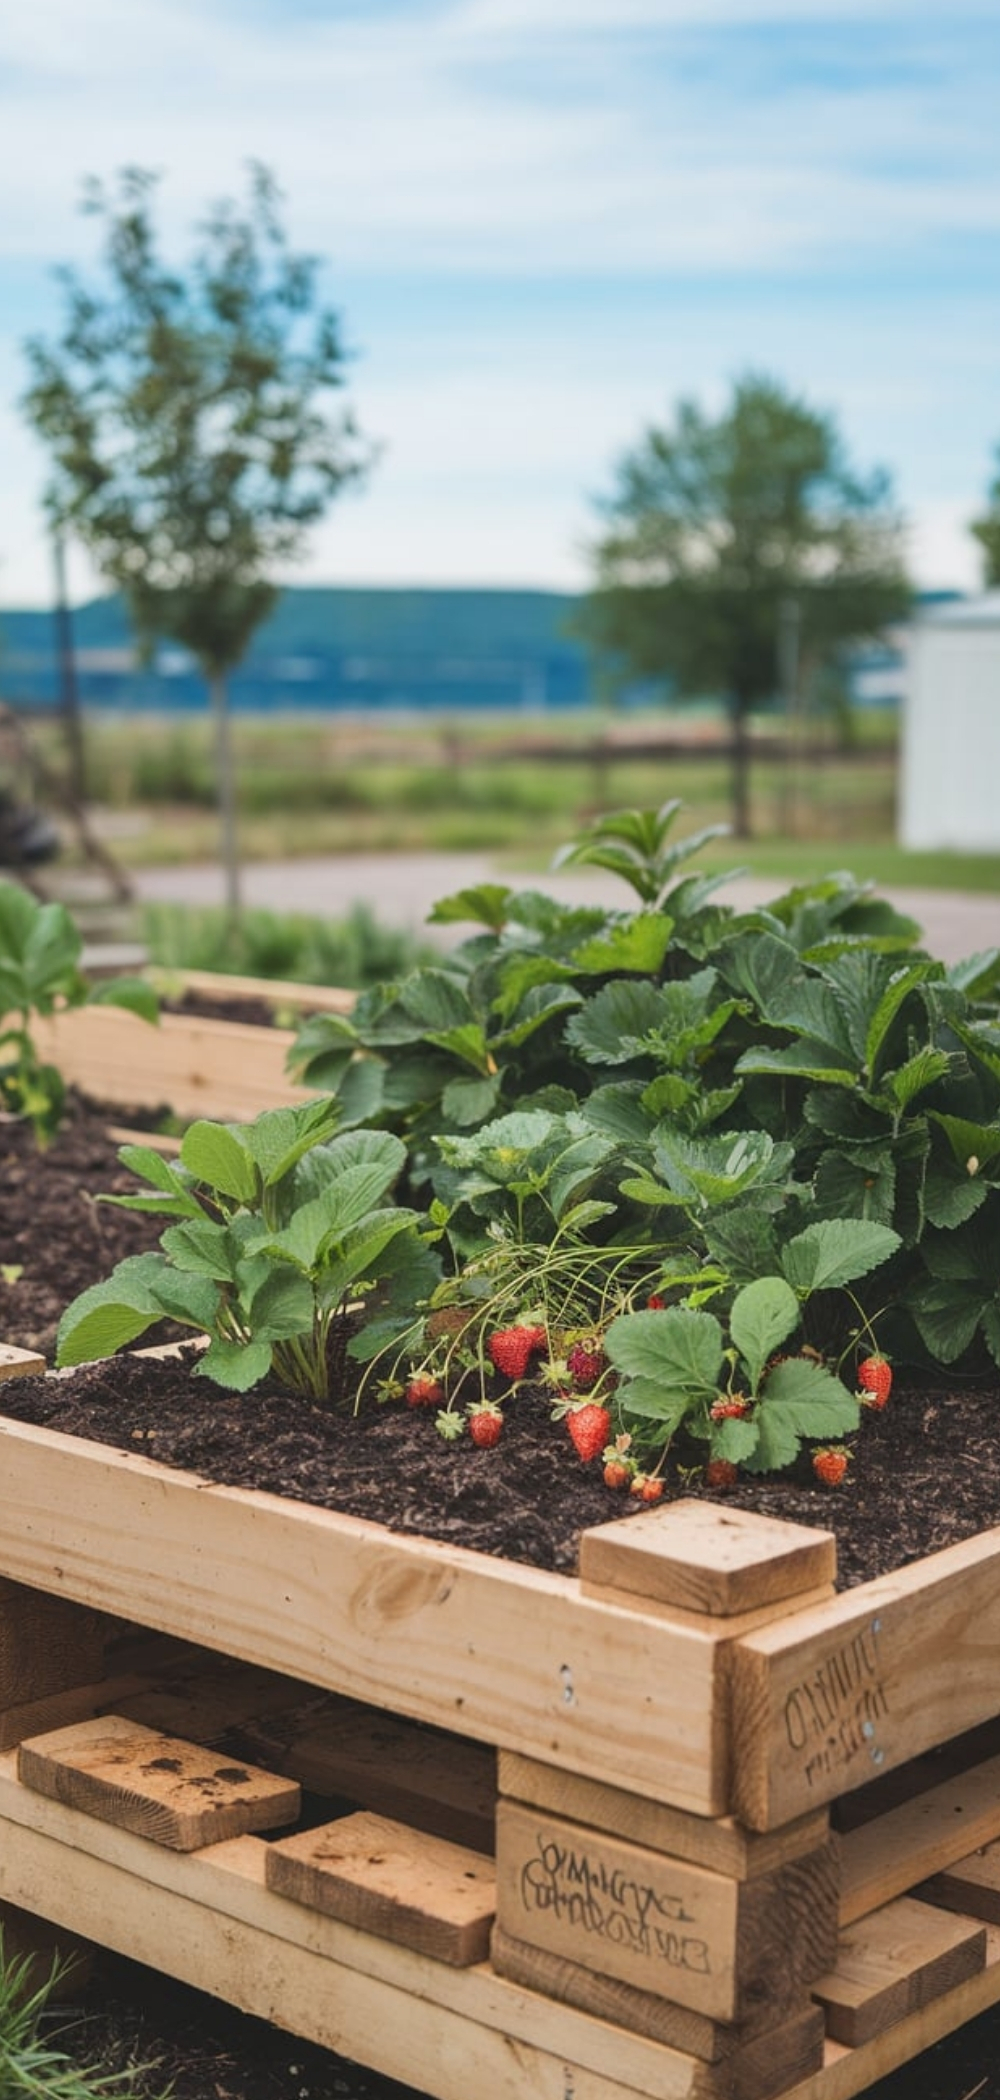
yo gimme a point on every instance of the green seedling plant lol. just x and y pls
(40, 969)
(35, 2064)
(277, 1227)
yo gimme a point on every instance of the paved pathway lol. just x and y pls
(402, 888)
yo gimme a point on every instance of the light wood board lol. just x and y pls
(159, 1786)
(704, 1558)
(725, 1948)
(893, 1963)
(866, 1682)
(383, 1877)
(223, 1069)
(884, 1857)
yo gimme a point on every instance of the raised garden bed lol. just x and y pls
(673, 1725)
(203, 1065)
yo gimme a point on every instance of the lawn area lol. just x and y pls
(516, 786)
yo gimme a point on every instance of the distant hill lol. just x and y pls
(364, 649)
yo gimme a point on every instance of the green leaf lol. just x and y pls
(651, 1401)
(951, 1195)
(639, 943)
(763, 1315)
(681, 1348)
(856, 1187)
(619, 1111)
(235, 1365)
(151, 1166)
(920, 1071)
(282, 1305)
(279, 1138)
(217, 1154)
(111, 1314)
(947, 1315)
(134, 994)
(202, 1248)
(836, 1251)
(736, 1439)
(486, 904)
(800, 1399)
(978, 1141)
(470, 1101)
(467, 1043)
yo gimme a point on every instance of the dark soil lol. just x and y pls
(923, 1476)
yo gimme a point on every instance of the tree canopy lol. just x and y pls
(718, 524)
(191, 418)
(987, 532)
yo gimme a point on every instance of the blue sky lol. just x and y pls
(544, 221)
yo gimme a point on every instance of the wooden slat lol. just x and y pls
(431, 1632)
(439, 1783)
(971, 1886)
(776, 2054)
(20, 1363)
(200, 1068)
(725, 1948)
(886, 1856)
(718, 1842)
(704, 1558)
(163, 1788)
(272, 991)
(852, 1688)
(386, 1878)
(892, 1963)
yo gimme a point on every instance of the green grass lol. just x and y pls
(309, 785)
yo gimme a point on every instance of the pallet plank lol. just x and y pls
(768, 2056)
(893, 1962)
(888, 1855)
(386, 1878)
(971, 1886)
(154, 1784)
(825, 1701)
(703, 1558)
(201, 1068)
(725, 1948)
(718, 1842)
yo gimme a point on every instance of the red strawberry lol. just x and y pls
(647, 1488)
(485, 1424)
(617, 1471)
(589, 1426)
(725, 1410)
(875, 1380)
(656, 1302)
(423, 1391)
(585, 1363)
(720, 1473)
(830, 1465)
(512, 1348)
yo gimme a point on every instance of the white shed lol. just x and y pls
(950, 759)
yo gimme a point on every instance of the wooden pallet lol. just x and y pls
(674, 1911)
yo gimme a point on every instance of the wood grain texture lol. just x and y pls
(202, 1068)
(704, 1558)
(20, 1363)
(892, 1963)
(48, 1645)
(718, 1842)
(677, 2026)
(432, 1633)
(725, 1948)
(971, 1886)
(855, 1687)
(383, 1877)
(888, 1855)
(175, 1793)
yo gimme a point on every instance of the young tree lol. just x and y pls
(716, 528)
(192, 428)
(987, 532)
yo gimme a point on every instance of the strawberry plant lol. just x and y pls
(40, 969)
(278, 1227)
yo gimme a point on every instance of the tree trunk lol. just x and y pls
(740, 717)
(225, 792)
